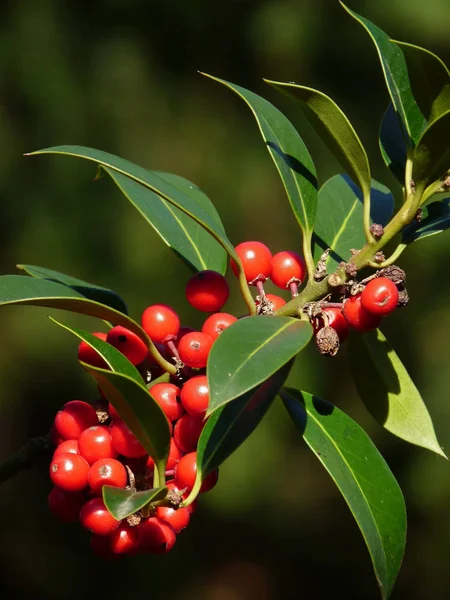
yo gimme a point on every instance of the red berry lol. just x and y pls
(215, 324)
(195, 395)
(156, 536)
(380, 296)
(95, 517)
(167, 395)
(186, 472)
(207, 291)
(74, 418)
(107, 471)
(186, 432)
(357, 316)
(124, 441)
(125, 539)
(69, 472)
(178, 518)
(70, 446)
(65, 506)
(333, 317)
(95, 443)
(128, 343)
(174, 456)
(256, 260)
(88, 355)
(276, 301)
(194, 349)
(183, 331)
(160, 322)
(287, 267)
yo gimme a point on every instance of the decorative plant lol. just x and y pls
(177, 402)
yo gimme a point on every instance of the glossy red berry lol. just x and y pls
(380, 296)
(88, 355)
(174, 456)
(107, 471)
(357, 316)
(69, 472)
(333, 317)
(256, 260)
(70, 446)
(125, 539)
(65, 506)
(183, 331)
(186, 472)
(74, 418)
(215, 324)
(287, 267)
(95, 443)
(156, 536)
(276, 301)
(160, 322)
(178, 518)
(124, 441)
(128, 343)
(195, 395)
(187, 431)
(194, 349)
(167, 395)
(95, 517)
(207, 291)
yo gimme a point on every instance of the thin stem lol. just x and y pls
(389, 261)
(160, 360)
(366, 216)
(307, 254)
(245, 290)
(35, 451)
(435, 188)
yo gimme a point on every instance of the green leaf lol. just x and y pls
(362, 476)
(393, 146)
(430, 80)
(432, 154)
(123, 503)
(435, 219)
(181, 233)
(125, 389)
(289, 153)
(388, 392)
(334, 129)
(250, 351)
(396, 76)
(187, 202)
(19, 289)
(340, 216)
(89, 290)
(228, 427)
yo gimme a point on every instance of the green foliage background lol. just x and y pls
(122, 76)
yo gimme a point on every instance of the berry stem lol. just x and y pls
(245, 290)
(173, 349)
(366, 217)
(260, 288)
(35, 451)
(293, 286)
(389, 261)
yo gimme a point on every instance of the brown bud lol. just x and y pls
(327, 341)
(134, 520)
(377, 230)
(403, 298)
(393, 273)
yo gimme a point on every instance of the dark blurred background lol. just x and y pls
(122, 76)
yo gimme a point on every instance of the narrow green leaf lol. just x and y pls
(432, 153)
(154, 181)
(229, 426)
(89, 290)
(250, 351)
(19, 289)
(340, 216)
(362, 476)
(334, 128)
(185, 236)
(388, 392)
(393, 145)
(125, 389)
(396, 76)
(435, 219)
(289, 153)
(123, 503)
(430, 80)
